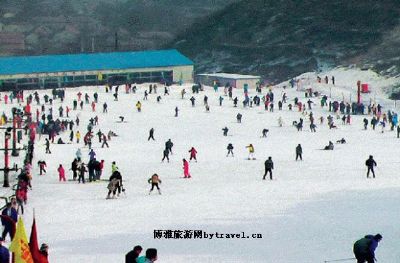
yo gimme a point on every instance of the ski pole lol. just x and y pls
(337, 260)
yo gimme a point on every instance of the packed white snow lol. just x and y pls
(312, 211)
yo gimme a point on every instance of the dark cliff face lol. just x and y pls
(281, 39)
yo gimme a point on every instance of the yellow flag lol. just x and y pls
(99, 77)
(20, 246)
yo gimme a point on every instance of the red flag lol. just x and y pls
(34, 246)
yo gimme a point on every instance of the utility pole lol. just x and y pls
(92, 44)
(6, 169)
(14, 151)
(17, 113)
(116, 41)
(7, 136)
(82, 45)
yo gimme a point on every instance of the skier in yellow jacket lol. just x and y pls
(251, 151)
(78, 136)
(139, 106)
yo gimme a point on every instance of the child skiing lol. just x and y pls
(61, 173)
(193, 154)
(154, 180)
(42, 167)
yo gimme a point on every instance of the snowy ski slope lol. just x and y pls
(312, 211)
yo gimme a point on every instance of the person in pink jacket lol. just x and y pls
(61, 173)
(186, 173)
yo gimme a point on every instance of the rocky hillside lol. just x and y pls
(58, 26)
(279, 39)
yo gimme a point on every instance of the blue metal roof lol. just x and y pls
(92, 61)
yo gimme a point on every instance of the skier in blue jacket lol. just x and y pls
(364, 248)
(4, 253)
(13, 215)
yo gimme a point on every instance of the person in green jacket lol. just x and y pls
(114, 167)
(151, 256)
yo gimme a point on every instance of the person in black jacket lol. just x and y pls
(82, 171)
(132, 255)
(230, 149)
(365, 123)
(398, 131)
(264, 133)
(168, 145)
(239, 118)
(225, 130)
(115, 184)
(74, 168)
(42, 166)
(370, 163)
(329, 146)
(165, 155)
(269, 166)
(193, 99)
(91, 167)
(151, 134)
(47, 146)
(299, 152)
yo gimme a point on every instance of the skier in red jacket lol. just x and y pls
(193, 154)
(61, 173)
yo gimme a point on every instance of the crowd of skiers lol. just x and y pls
(46, 123)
